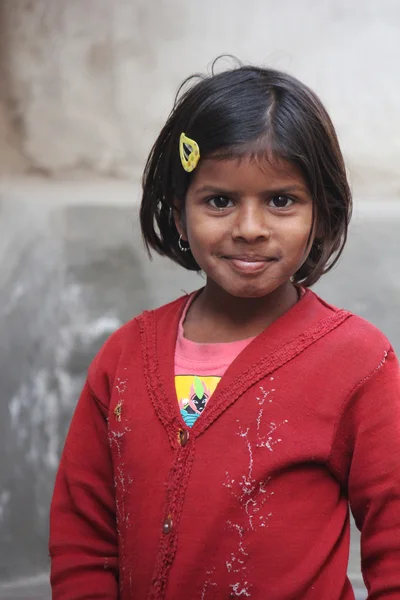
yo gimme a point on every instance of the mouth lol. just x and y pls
(250, 263)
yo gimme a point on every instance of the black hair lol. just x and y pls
(257, 111)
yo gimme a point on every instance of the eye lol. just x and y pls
(220, 202)
(280, 202)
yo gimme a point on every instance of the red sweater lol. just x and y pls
(251, 502)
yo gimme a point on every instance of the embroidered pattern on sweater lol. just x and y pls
(117, 429)
(251, 494)
(208, 583)
(193, 393)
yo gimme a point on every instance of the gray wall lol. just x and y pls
(70, 274)
(90, 81)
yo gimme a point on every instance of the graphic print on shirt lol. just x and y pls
(193, 392)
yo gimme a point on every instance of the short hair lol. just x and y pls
(254, 111)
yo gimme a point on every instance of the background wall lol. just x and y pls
(85, 86)
(90, 81)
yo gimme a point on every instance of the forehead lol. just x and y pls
(247, 173)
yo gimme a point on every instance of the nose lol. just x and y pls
(251, 224)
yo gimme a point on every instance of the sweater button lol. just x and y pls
(183, 437)
(167, 527)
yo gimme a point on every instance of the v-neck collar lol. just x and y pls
(305, 322)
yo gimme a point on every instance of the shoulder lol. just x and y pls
(357, 341)
(359, 331)
(127, 338)
(364, 343)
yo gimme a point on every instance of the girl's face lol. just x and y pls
(248, 224)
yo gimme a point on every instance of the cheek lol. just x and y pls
(204, 233)
(296, 236)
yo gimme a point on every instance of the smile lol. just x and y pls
(249, 264)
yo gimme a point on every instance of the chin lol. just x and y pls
(250, 292)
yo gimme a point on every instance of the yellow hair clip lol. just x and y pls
(189, 152)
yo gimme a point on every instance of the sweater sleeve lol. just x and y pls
(368, 441)
(83, 532)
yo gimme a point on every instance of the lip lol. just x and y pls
(249, 257)
(250, 263)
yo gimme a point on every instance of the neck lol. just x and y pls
(216, 316)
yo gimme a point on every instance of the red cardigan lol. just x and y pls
(251, 502)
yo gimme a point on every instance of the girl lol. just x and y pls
(220, 439)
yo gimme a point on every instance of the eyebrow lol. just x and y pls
(286, 189)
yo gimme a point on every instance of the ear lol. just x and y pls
(178, 213)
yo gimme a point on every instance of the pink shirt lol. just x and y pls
(199, 368)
